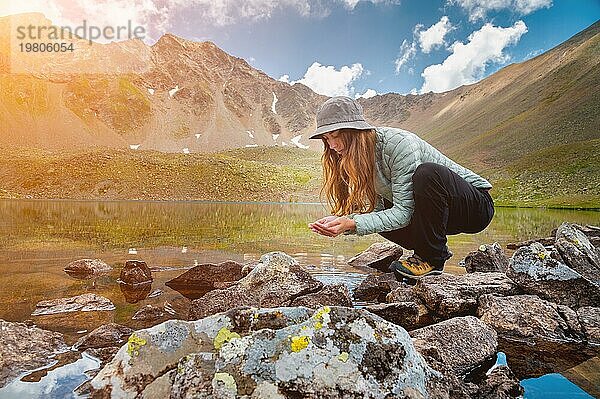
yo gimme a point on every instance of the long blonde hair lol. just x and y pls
(349, 180)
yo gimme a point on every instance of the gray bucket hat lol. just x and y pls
(339, 113)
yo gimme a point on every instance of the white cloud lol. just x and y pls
(158, 16)
(407, 52)
(161, 16)
(328, 81)
(478, 9)
(350, 4)
(434, 36)
(284, 78)
(367, 94)
(467, 62)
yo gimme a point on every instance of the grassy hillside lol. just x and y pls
(253, 174)
(563, 176)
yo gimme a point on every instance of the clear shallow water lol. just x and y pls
(39, 238)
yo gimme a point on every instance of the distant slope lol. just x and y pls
(550, 100)
(249, 174)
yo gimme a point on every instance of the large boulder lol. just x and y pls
(530, 319)
(459, 345)
(335, 352)
(329, 295)
(499, 383)
(203, 278)
(488, 258)
(538, 336)
(449, 295)
(404, 297)
(83, 303)
(276, 281)
(375, 287)
(135, 272)
(378, 256)
(577, 251)
(541, 272)
(24, 348)
(87, 268)
(589, 318)
(405, 314)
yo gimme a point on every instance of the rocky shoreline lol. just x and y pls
(270, 329)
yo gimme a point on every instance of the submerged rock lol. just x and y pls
(336, 352)
(376, 287)
(135, 272)
(450, 295)
(135, 293)
(111, 334)
(537, 271)
(152, 313)
(82, 303)
(577, 252)
(87, 268)
(24, 348)
(329, 295)
(379, 255)
(488, 258)
(276, 281)
(206, 275)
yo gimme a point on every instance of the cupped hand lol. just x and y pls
(332, 226)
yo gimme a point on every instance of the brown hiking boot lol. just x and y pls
(413, 268)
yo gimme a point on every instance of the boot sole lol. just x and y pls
(413, 277)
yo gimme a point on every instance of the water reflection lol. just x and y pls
(58, 383)
(39, 238)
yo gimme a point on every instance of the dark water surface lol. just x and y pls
(39, 238)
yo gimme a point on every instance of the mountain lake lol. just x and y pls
(38, 238)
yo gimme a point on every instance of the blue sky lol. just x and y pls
(349, 46)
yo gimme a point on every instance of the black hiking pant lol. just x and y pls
(445, 204)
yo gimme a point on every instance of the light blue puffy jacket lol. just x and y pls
(398, 153)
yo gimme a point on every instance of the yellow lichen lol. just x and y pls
(227, 380)
(224, 335)
(322, 311)
(542, 255)
(320, 316)
(299, 343)
(482, 248)
(343, 357)
(134, 343)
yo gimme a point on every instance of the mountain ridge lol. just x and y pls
(194, 97)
